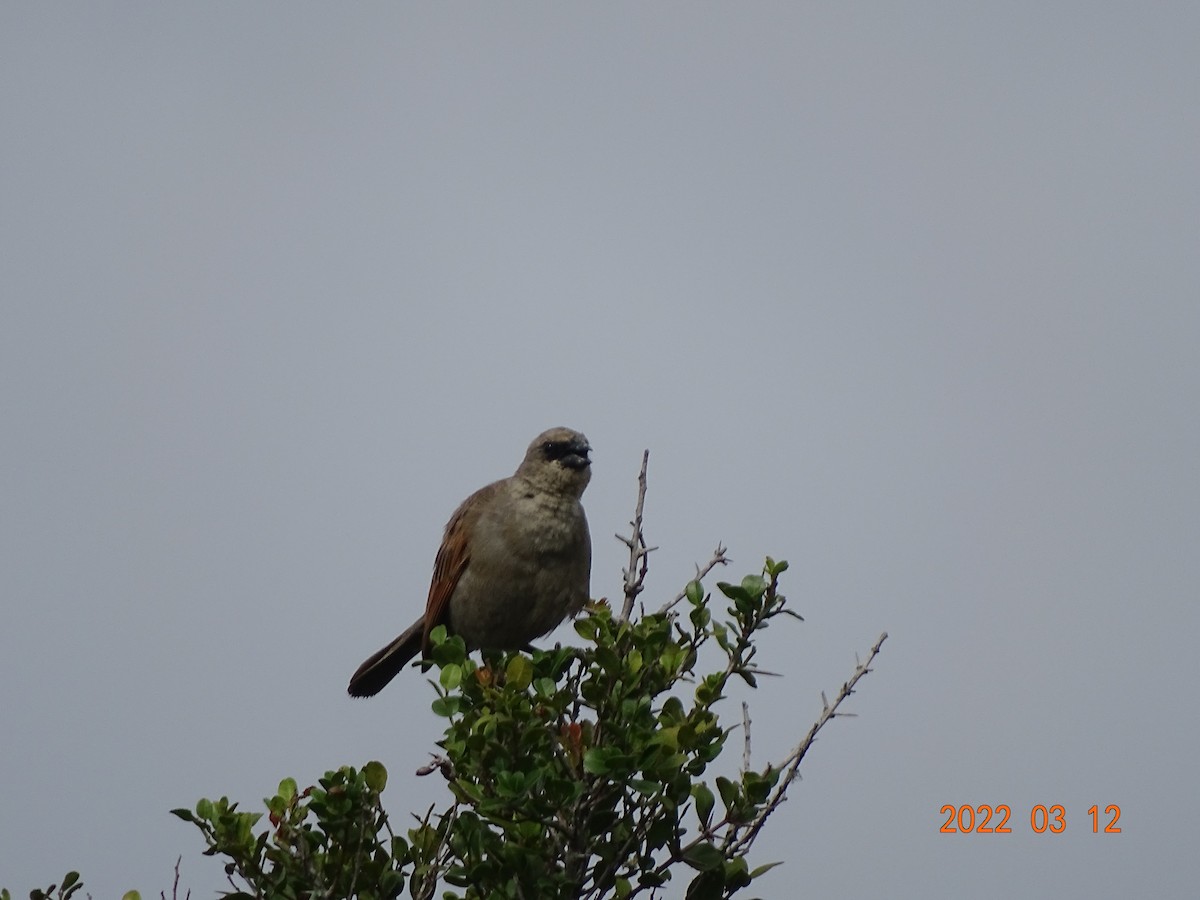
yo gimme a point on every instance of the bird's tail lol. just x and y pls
(381, 667)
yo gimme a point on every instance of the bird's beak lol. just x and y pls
(578, 457)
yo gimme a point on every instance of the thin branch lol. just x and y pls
(175, 886)
(718, 559)
(639, 563)
(792, 763)
(745, 736)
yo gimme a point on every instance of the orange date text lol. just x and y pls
(985, 819)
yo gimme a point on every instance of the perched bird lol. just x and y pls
(515, 560)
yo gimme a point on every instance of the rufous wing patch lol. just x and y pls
(452, 559)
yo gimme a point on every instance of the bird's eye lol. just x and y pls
(556, 449)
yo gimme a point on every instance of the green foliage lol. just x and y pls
(573, 773)
(63, 891)
(578, 773)
(71, 884)
(331, 839)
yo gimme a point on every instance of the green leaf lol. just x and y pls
(775, 569)
(131, 895)
(672, 658)
(595, 761)
(510, 784)
(185, 814)
(694, 593)
(708, 691)
(451, 676)
(672, 710)
(769, 866)
(704, 856)
(519, 673)
(757, 787)
(754, 586)
(709, 885)
(287, 789)
(606, 761)
(446, 706)
(666, 737)
(376, 775)
(748, 677)
(705, 801)
(587, 629)
(733, 591)
(650, 878)
(721, 633)
(736, 873)
(728, 790)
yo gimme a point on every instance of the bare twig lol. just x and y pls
(735, 843)
(745, 736)
(718, 559)
(175, 886)
(639, 563)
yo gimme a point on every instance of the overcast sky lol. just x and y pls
(907, 294)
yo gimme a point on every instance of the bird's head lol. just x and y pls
(557, 460)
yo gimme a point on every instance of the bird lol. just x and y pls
(515, 561)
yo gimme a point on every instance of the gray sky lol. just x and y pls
(904, 293)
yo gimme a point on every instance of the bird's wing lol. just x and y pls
(452, 559)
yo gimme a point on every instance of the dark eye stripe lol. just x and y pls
(559, 449)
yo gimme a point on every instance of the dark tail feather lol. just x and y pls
(374, 674)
